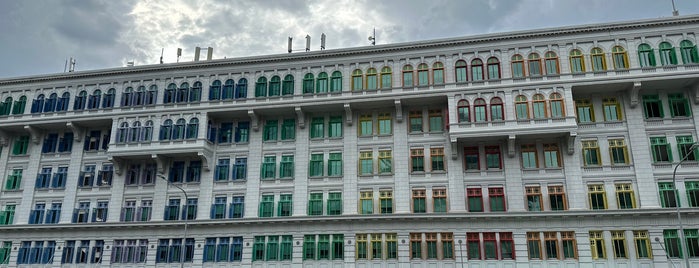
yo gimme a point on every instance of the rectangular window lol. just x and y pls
(417, 160)
(612, 109)
(475, 199)
(597, 246)
(473, 245)
(391, 246)
(272, 249)
(385, 126)
(529, 159)
(437, 159)
(285, 207)
(551, 156)
(415, 120)
(624, 196)
(439, 200)
(335, 127)
(334, 204)
(534, 245)
(431, 241)
(672, 244)
(551, 245)
(652, 107)
(335, 164)
(238, 207)
(317, 125)
(493, 157)
(507, 246)
(240, 169)
(386, 202)
(584, 111)
(419, 201)
(436, 121)
(684, 145)
(315, 204)
(570, 248)
(366, 125)
(270, 130)
(497, 199)
(660, 149)
(7, 215)
(269, 167)
(557, 198)
(471, 158)
(366, 163)
(692, 240)
(668, 195)
(618, 152)
(619, 243)
(266, 206)
(642, 242)
(284, 251)
(218, 208)
(323, 247)
(376, 247)
(366, 202)
(315, 168)
(222, 170)
(362, 246)
(258, 249)
(679, 105)
(591, 156)
(534, 202)
(416, 246)
(692, 188)
(597, 196)
(490, 246)
(288, 129)
(309, 247)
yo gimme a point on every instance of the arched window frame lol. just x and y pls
(372, 82)
(151, 95)
(38, 104)
(322, 82)
(178, 129)
(521, 107)
(6, 106)
(241, 89)
(480, 110)
(667, 54)
(518, 70)
(497, 111)
(288, 85)
(689, 52)
(20, 105)
(357, 80)
(534, 64)
(261, 87)
(139, 96)
(477, 70)
(493, 68)
(182, 93)
(166, 130)
(50, 104)
(170, 93)
(122, 132)
(646, 56)
(107, 100)
(80, 101)
(539, 110)
(307, 85)
(147, 133)
(551, 63)
(461, 71)
(195, 92)
(135, 132)
(408, 76)
(386, 77)
(228, 87)
(463, 111)
(577, 61)
(275, 86)
(336, 82)
(423, 75)
(621, 58)
(556, 105)
(192, 129)
(599, 60)
(215, 90)
(92, 103)
(127, 97)
(438, 73)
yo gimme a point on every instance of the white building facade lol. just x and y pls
(542, 148)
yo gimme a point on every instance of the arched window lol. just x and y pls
(93, 102)
(621, 59)
(599, 63)
(6, 107)
(336, 82)
(371, 79)
(241, 89)
(166, 130)
(551, 62)
(107, 100)
(386, 77)
(308, 83)
(422, 74)
(538, 106)
(517, 66)
(577, 61)
(288, 85)
(139, 96)
(20, 104)
(178, 129)
(322, 83)
(147, 133)
(689, 52)
(261, 87)
(438, 73)
(357, 80)
(122, 132)
(195, 92)
(556, 105)
(135, 132)
(170, 92)
(38, 104)
(480, 113)
(192, 129)
(534, 64)
(151, 95)
(183, 92)
(521, 107)
(50, 104)
(408, 76)
(477, 70)
(80, 101)
(460, 71)
(274, 86)
(667, 54)
(463, 111)
(227, 92)
(493, 68)
(215, 90)
(496, 109)
(646, 57)
(127, 97)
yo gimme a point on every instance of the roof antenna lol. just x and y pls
(161, 55)
(373, 38)
(675, 12)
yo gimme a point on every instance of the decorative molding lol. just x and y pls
(4, 138)
(254, 120)
(454, 150)
(348, 114)
(160, 162)
(695, 90)
(571, 142)
(34, 133)
(511, 146)
(78, 132)
(206, 159)
(300, 117)
(399, 111)
(117, 163)
(633, 93)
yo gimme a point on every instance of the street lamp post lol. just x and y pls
(184, 235)
(683, 243)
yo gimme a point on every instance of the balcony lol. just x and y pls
(160, 150)
(513, 127)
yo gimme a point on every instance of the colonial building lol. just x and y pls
(539, 148)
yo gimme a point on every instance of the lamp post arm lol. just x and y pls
(683, 242)
(184, 235)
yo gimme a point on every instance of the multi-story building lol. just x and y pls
(541, 148)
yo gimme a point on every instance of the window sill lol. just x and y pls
(233, 180)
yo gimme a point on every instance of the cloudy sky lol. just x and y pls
(36, 37)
